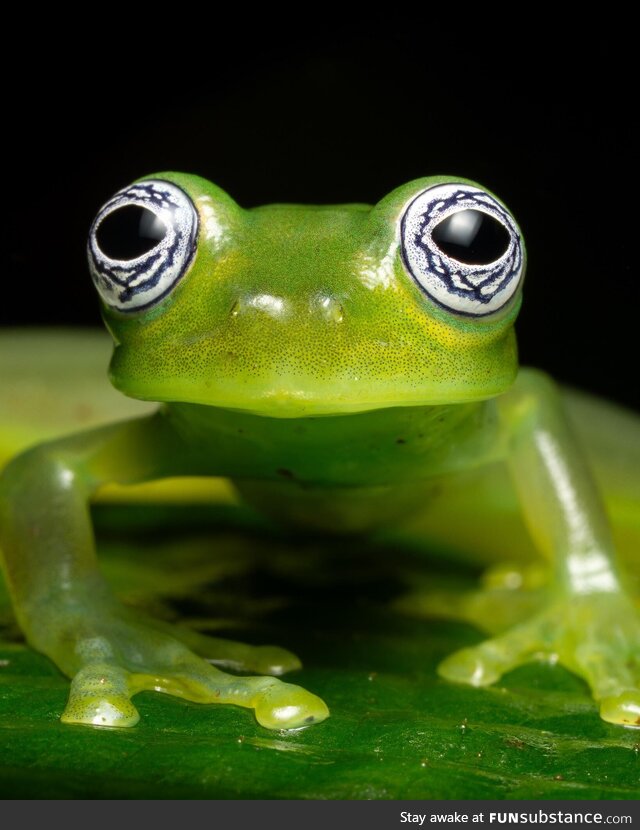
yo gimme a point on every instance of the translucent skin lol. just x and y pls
(299, 358)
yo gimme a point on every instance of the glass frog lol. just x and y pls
(351, 369)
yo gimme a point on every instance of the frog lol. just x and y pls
(345, 367)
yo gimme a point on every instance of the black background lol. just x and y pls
(331, 112)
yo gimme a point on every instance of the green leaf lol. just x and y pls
(396, 730)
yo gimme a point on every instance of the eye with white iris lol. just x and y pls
(463, 248)
(141, 243)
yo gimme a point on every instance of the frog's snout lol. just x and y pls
(319, 307)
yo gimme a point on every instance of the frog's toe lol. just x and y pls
(272, 660)
(277, 705)
(218, 651)
(485, 663)
(101, 696)
(596, 636)
(609, 664)
(623, 709)
(289, 707)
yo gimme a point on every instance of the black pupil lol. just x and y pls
(129, 232)
(471, 236)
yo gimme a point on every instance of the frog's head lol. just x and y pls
(290, 310)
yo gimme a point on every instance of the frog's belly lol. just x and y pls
(336, 510)
(475, 518)
(473, 515)
(474, 511)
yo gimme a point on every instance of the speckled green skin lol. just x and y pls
(299, 358)
(291, 311)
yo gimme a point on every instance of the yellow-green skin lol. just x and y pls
(300, 359)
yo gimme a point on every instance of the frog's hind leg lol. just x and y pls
(471, 517)
(472, 520)
(504, 597)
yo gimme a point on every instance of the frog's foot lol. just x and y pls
(596, 636)
(508, 594)
(114, 656)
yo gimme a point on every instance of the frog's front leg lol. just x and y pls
(68, 612)
(590, 624)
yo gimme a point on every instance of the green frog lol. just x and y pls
(352, 370)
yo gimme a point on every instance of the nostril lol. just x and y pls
(329, 308)
(276, 307)
(273, 306)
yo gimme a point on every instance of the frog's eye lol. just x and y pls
(140, 244)
(463, 248)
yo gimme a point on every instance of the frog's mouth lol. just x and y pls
(338, 398)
